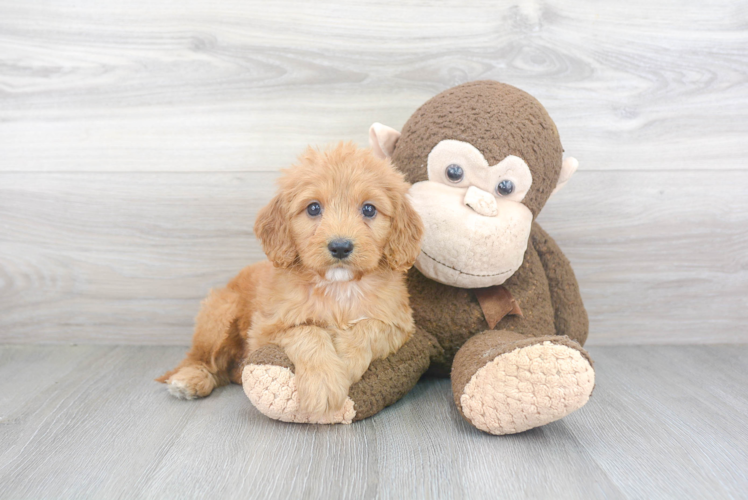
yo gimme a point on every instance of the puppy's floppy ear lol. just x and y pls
(272, 228)
(404, 244)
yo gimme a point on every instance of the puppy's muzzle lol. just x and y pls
(340, 248)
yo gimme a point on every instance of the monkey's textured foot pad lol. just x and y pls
(527, 387)
(272, 389)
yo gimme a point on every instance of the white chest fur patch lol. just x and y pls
(339, 285)
(337, 274)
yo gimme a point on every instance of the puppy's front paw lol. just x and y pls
(321, 393)
(273, 391)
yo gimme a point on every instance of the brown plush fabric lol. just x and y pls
(453, 315)
(452, 332)
(485, 347)
(496, 302)
(496, 118)
(570, 315)
(388, 380)
(270, 355)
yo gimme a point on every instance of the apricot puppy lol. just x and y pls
(339, 235)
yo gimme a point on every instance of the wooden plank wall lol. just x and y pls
(138, 140)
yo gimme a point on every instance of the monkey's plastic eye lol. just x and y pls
(369, 210)
(505, 187)
(314, 209)
(455, 173)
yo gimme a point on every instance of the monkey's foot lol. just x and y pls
(531, 382)
(270, 384)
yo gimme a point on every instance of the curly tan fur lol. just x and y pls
(331, 326)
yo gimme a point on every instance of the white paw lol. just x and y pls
(272, 389)
(528, 387)
(180, 389)
(191, 382)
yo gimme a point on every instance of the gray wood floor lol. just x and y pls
(88, 422)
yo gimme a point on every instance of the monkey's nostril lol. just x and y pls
(340, 248)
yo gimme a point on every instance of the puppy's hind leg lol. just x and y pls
(218, 348)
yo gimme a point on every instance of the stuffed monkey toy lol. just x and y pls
(496, 303)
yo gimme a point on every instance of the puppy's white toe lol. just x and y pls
(179, 389)
(191, 382)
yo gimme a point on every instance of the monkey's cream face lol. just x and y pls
(476, 226)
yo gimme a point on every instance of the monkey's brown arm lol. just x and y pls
(267, 381)
(570, 316)
(388, 380)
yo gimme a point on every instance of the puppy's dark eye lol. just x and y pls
(505, 187)
(314, 209)
(369, 210)
(455, 173)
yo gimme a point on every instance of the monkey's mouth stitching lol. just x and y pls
(463, 272)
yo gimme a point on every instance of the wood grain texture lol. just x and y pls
(123, 259)
(661, 257)
(663, 422)
(160, 85)
(139, 139)
(126, 258)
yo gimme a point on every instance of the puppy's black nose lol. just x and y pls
(340, 248)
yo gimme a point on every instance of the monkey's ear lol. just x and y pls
(382, 140)
(568, 167)
(272, 229)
